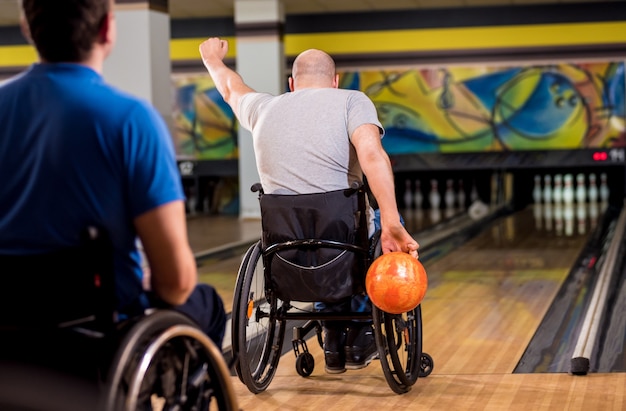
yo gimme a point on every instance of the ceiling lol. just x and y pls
(223, 8)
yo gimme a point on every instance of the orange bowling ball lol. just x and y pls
(396, 282)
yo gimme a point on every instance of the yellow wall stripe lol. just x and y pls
(459, 38)
(569, 34)
(393, 41)
(187, 49)
(17, 56)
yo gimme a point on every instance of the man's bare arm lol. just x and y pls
(163, 233)
(376, 166)
(228, 82)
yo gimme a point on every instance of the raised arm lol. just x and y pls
(376, 166)
(228, 82)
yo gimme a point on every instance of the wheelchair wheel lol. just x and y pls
(259, 335)
(166, 362)
(236, 303)
(399, 341)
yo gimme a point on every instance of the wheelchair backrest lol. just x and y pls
(315, 246)
(59, 289)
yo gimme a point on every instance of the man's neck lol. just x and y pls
(94, 62)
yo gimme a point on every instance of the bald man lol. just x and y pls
(317, 138)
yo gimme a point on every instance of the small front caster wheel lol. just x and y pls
(305, 364)
(426, 365)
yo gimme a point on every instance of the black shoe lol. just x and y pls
(361, 347)
(334, 339)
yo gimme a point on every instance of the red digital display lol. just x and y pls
(600, 156)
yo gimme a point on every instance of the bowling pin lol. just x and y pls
(537, 190)
(434, 197)
(418, 198)
(547, 189)
(478, 210)
(604, 188)
(461, 195)
(557, 191)
(449, 195)
(581, 190)
(592, 193)
(191, 203)
(408, 195)
(568, 189)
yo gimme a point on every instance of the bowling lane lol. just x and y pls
(487, 298)
(484, 303)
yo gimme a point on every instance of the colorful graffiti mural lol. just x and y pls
(448, 109)
(477, 109)
(205, 127)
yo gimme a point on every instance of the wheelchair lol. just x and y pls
(314, 247)
(57, 315)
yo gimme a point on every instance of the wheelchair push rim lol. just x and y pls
(204, 377)
(260, 334)
(399, 341)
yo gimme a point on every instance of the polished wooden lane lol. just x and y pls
(485, 301)
(366, 389)
(487, 298)
(208, 233)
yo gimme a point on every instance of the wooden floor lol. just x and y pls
(484, 303)
(358, 390)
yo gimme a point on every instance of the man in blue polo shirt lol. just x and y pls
(76, 152)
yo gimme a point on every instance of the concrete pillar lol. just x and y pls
(140, 61)
(260, 61)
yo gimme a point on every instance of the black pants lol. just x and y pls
(206, 308)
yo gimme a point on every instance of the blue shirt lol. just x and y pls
(75, 152)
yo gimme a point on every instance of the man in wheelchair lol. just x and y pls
(318, 138)
(77, 152)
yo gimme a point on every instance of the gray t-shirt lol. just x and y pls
(302, 138)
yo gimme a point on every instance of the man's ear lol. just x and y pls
(336, 81)
(25, 29)
(290, 83)
(105, 27)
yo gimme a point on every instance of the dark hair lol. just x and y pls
(65, 30)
